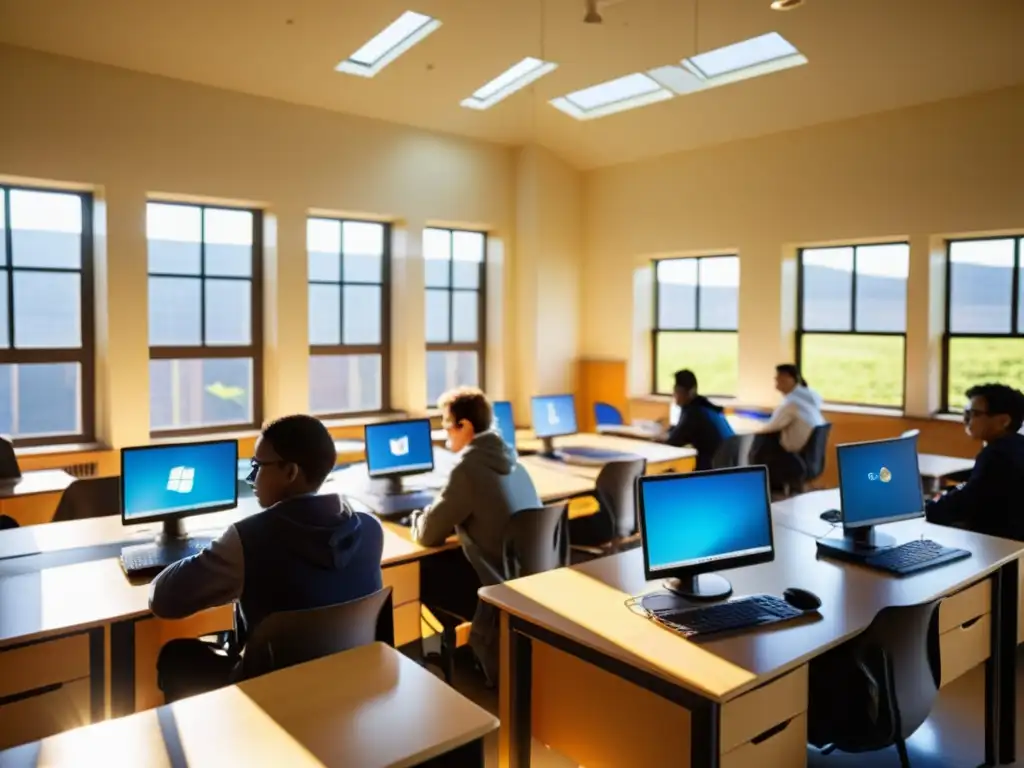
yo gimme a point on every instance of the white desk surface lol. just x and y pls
(937, 466)
(655, 453)
(37, 481)
(369, 707)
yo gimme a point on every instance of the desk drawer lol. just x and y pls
(964, 647)
(44, 715)
(760, 710)
(965, 605)
(43, 663)
(782, 747)
(404, 581)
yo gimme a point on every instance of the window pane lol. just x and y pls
(325, 314)
(173, 233)
(446, 370)
(980, 286)
(174, 313)
(5, 332)
(40, 399)
(437, 316)
(860, 369)
(3, 227)
(981, 361)
(345, 383)
(47, 309)
(323, 244)
(200, 393)
(882, 272)
(437, 254)
(228, 236)
(713, 357)
(677, 293)
(362, 314)
(1020, 287)
(228, 312)
(468, 253)
(719, 293)
(46, 229)
(827, 288)
(465, 321)
(364, 251)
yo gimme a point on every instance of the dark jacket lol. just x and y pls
(992, 499)
(703, 425)
(305, 552)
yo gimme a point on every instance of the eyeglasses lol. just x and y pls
(970, 413)
(256, 464)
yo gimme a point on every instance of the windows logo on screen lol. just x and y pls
(399, 446)
(181, 479)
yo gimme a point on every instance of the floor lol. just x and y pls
(952, 737)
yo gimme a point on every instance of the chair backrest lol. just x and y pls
(615, 492)
(537, 540)
(293, 637)
(815, 451)
(911, 433)
(89, 497)
(733, 452)
(9, 469)
(607, 414)
(7, 523)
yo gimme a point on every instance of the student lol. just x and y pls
(701, 424)
(485, 489)
(786, 434)
(302, 551)
(991, 500)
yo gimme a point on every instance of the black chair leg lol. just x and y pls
(901, 750)
(448, 654)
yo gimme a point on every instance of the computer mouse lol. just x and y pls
(833, 516)
(802, 599)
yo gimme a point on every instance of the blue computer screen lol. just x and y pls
(704, 516)
(553, 415)
(879, 481)
(399, 447)
(163, 480)
(503, 421)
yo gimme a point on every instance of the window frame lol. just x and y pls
(480, 345)
(201, 351)
(347, 350)
(656, 329)
(801, 331)
(85, 354)
(1016, 321)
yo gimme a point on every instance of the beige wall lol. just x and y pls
(921, 173)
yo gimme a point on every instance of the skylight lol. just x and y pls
(508, 82)
(386, 46)
(617, 95)
(757, 56)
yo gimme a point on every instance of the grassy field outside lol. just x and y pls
(983, 361)
(867, 370)
(713, 356)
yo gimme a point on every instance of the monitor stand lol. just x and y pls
(392, 486)
(706, 586)
(856, 542)
(173, 533)
(547, 448)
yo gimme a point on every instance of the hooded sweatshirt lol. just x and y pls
(703, 425)
(796, 418)
(484, 490)
(305, 552)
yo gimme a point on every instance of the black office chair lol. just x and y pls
(292, 637)
(7, 523)
(733, 452)
(613, 528)
(874, 691)
(9, 469)
(89, 497)
(812, 457)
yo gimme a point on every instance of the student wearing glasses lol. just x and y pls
(992, 499)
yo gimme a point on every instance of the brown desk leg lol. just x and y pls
(1001, 670)
(514, 681)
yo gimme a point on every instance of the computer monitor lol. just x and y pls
(504, 422)
(395, 449)
(879, 482)
(698, 522)
(553, 416)
(171, 482)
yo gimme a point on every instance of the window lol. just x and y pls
(696, 311)
(46, 320)
(852, 322)
(204, 317)
(984, 340)
(454, 263)
(348, 316)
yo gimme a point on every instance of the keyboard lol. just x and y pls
(152, 558)
(404, 503)
(914, 556)
(741, 613)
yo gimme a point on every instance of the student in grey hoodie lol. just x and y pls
(790, 427)
(485, 489)
(302, 551)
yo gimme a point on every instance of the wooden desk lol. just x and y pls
(367, 707)
(741, 425)
(569, 646)
(660, 457)
(34, 498)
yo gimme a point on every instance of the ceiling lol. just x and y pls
(864, 56)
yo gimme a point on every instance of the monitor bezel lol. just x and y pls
(575, 431)
(511, 411)
(380, 475)
(877, 520)
(180, 514)
(723, 564)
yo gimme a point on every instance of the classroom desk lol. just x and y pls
(440, 436)
(34, 497)
(936, 468)
(660, 457)
(369, 707)
(741, 425)
(570, 647)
